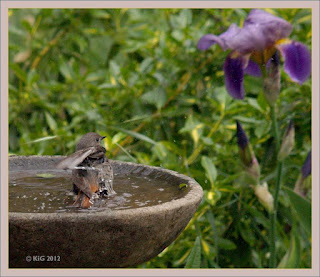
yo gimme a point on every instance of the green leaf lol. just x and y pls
(303, 208)
(21, 74)
(246, 232)
(135, 134)
(292, 258)
(106, 86)
(205, 248)
(259, 217)
(261, 129)
(186, 16)
(262, 102)
(221, 95)
(66, 70)
(194, 258)
(182, 20)
(191, 124)
(212, 196)
(207, 141)
(146, 65)
(182, 186)
(157, 97)
(81, 42)
(127, 153)
(117, 137)
(41, 139)
(51, 122)
(194, 127)
(171, 146)
(161, 151)
(166, 156)
(97, 13)
(226, 244)
(178, 35)
(211, 171)
(254, 103)
(247, 119)
(27, 25)
(114, 68)
(32, 77)
(212, 222)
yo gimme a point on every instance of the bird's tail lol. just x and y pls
(83, 200)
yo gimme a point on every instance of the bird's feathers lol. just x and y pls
(76, 158)
(92, 173)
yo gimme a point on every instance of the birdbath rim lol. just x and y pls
(190, 198)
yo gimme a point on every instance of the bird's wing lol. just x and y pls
(75, 159)
(87, 184)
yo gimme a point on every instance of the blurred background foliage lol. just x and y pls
(136, 76)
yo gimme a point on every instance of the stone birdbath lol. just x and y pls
(117, 236)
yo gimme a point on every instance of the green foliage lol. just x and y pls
(137, 77)
(292, 257)
(302, 207)
(194, 258)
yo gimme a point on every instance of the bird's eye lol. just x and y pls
(97, 139)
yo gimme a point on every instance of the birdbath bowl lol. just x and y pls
(117, 236)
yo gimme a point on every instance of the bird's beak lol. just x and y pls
(103, 138)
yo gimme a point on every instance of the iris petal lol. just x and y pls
(260, 30)
(297, 60)
(234, 73)
(207, 40)
(272, 27)
(253, 69)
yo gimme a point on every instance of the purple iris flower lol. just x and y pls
(242, 137)
(306, 168)
(253, 46)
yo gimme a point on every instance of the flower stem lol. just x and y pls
(273, 215)
(275, 126)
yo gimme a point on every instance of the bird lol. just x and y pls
(92, 172)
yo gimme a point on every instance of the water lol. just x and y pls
(50, 191)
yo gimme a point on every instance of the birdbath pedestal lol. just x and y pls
(107, 238)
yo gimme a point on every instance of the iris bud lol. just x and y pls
(247, 155)
(271, 82)
(301, 186)
(287, 142)
(264, 196)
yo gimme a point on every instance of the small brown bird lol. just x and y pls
(92, 173)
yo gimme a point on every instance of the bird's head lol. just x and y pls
(88, 140)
